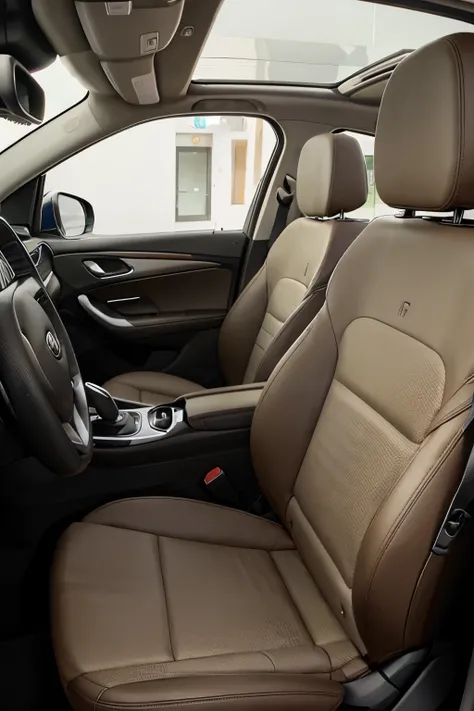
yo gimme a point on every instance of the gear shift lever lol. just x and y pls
(112, 422)
(103, 402)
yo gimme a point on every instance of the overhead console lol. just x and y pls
(125, 35)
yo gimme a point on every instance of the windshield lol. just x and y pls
(311, 41)
(61, 91)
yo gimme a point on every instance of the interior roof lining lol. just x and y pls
(184, 53)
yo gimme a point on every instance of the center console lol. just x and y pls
(148, 425)
(169, 449)
(119, 424)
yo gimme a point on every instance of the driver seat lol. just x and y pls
(358, 444)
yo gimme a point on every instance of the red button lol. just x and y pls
(212, 475)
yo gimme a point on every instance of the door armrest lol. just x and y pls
(229, 408)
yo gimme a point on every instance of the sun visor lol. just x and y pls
(125, 36)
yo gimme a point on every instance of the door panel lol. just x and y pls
(89, 271)
(196, 300)
(225, 244)
(148, 302)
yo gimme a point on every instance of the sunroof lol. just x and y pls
(311, 41)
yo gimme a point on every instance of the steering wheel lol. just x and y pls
(38, 369)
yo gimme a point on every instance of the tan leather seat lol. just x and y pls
(290, 288)
(358, 443)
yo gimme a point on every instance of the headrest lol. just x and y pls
(424, 143)
(332, 176)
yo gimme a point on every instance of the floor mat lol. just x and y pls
(29, 680)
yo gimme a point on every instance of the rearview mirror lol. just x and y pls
(66, 215)
(21, 97)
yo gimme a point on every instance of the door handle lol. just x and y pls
(98, 271)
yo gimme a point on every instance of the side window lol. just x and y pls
(186, 173)
(374, 205)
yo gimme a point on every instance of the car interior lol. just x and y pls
(236, 355)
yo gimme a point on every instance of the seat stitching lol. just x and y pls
(165, 597)
(450, 415)
(178, 498)
(290, 278)
(328, 210)
(316, 644)
(176, 537)
(269, 659)
(406, 510)
(398, 330)
(417, 340)
(266, 329)
(99, 696)
(433, 471)
(219, 699)
(285, 328)
(371, 407)
(295, 606)
(286, 359)
(461, 101)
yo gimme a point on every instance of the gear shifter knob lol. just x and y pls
(103, 402)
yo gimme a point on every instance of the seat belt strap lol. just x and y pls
(458, 512)
(285, 197)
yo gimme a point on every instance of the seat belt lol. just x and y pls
(285, 197)
(458, 512)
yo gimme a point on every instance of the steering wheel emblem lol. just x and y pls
(53, 344)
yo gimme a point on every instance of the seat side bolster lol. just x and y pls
(289, 408)
(290, 331)
(341, 235)
(396, 611)
(240, 328)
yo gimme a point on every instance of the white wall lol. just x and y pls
(130, 178)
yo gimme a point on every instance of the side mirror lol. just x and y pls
(66, 215)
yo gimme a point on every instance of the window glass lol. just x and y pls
(374, 205)
(311, 41)
(186, 173)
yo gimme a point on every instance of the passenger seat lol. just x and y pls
(290, 288)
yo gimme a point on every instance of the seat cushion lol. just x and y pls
(159, 602)
(150, 388)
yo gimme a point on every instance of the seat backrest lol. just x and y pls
(357, 439)
(289, 290)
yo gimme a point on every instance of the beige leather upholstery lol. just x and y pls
(429, 165)
(369, 456)
(223, 408)
(167, 603)
(360, 469)
(331, 176)
(290, 288)
(151, 388)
